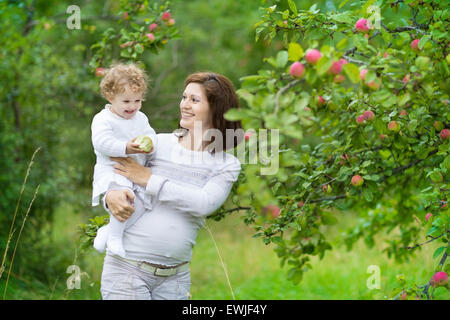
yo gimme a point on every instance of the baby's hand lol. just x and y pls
(134, 147)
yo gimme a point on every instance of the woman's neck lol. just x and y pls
(193, 142)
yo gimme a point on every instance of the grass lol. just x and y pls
(255, 272)
(253, 268)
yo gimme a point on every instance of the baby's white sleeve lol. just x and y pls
(103, 138)
(150, 132)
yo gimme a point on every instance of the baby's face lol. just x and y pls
(127, 103)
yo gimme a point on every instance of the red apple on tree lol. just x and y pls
(273, 210)
(444, 134)
(374, 84)
(171, 22)
(150, 37)
(297, 70)
(312, 56)
(335, 68)
(404, 296)
(362, 74)
(339, 78)
(362, 26)
(439, 279)
(393, 126)
(320, 101)
(369, 115)
(415, 44)
(100, 72)
(357, 180)
(360, 119)
(406, 79)
(166, 16)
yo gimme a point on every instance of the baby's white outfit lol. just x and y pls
(110, 134)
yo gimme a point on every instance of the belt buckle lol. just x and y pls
(169, 272)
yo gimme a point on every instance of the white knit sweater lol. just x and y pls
(110, 134)
(185, 186)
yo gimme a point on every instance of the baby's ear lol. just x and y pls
(109, 99)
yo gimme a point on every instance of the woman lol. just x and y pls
(186, 179)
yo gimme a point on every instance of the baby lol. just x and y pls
(114, 133)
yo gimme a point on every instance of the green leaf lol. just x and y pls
(352, 71)
(424, 40)
(292, 6)
(246, 95)
(379, 125)
(293, 132)
(234, 115)
(125, 54)
(367, 194)
(360, 42)
(295, 275)
(282, 59)
(446, 162)
(295, 51)
(272, 8)
(301, 104)
(402, 100)
(342, 44)
(139, 48)
(343, 4)
(436, 176)
(438, 252)
(328, 219)
(323, 65)
(432, 230)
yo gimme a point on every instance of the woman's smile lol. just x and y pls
(186, 115)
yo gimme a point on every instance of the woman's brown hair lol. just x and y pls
(221, 97)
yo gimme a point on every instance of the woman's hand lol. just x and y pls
(131, 169)
(119, 203)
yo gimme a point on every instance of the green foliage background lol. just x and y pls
(49, 94)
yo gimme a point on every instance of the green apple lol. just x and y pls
(144, 142)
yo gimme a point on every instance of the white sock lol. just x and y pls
(101, 238)
(115, 245)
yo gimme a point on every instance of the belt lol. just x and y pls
(156, 269)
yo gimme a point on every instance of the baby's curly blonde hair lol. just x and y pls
(120, 75)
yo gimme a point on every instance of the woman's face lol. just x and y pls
(194, 107)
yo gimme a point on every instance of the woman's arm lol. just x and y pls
(131, 169)
(197, 202)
